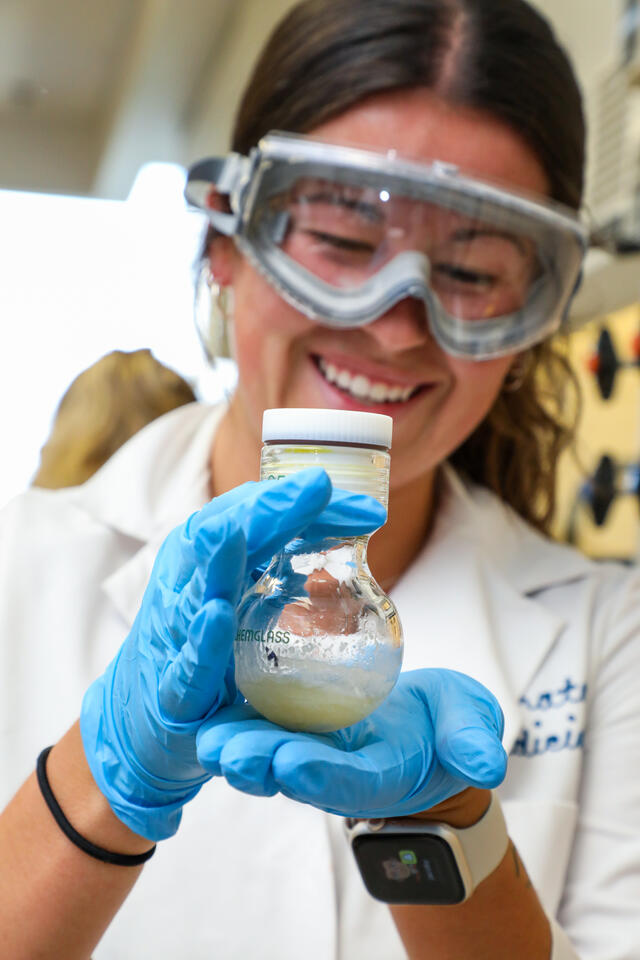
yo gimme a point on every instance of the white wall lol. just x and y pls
(587, 28)
(209, 127)
(590, 32)
(81, 278)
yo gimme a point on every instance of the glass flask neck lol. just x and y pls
(359, 469)
(342, 557)
(339, 560)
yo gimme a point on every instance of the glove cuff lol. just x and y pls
(152, 811)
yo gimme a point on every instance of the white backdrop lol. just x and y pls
(82, 277)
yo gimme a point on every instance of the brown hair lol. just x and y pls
(104, 406)
(499, 56)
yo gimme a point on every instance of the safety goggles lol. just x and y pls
(344, 233)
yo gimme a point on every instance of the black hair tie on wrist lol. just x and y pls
(107, 856)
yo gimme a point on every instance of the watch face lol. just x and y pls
(409, 868)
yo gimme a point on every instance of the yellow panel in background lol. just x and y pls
(609, 427)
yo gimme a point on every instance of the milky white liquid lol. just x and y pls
(310, 707)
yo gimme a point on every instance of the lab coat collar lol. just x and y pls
(161, 475)
(158, 478)
(527, 560)
(150, 485)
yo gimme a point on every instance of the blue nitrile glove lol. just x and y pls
(437, 733)
(140, 719)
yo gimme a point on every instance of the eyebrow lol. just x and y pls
(367, 210)
(470, 233)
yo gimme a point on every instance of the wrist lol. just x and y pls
(83, 803)
(149, 805)
(461, 810)
(414, 861)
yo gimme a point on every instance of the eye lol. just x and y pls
(342, 243)
(462, 275)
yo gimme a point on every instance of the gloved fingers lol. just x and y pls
(475, 755)
(374, 778)
(299, 506)
(260, 758)
(215, 733)
(198, 680)
(282, 510)
(271, 514)
(468, 725)
(181, 559)
(347, 514)
(175, 561)
(245, 760)
(240, 745)
(382, 767)
(219, 571)
(241, 500)
(217, 506)
(182, 540)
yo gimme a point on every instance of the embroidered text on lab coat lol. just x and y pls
(556, 724)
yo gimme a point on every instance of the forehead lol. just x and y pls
(420, 126)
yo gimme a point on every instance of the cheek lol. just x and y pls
(480, 378)
(438, 429)
(261, 317)
(267, 333)
(477, 385)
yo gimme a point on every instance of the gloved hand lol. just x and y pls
(140, 719)
(437, 733)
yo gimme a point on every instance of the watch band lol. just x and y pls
(477, 849)
(485, 842)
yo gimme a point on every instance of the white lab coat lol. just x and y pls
(554, 636)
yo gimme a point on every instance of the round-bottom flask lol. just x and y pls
(319, 644)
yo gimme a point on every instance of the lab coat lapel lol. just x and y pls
(125, 587)
(170, 461)
(459, 611)
(158, 477)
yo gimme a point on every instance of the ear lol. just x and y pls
(222, 259)
(221, 251)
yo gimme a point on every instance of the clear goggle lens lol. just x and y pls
(343, 234)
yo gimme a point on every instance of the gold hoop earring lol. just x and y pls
(517, 373)
(213, 315)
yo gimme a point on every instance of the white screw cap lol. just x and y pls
(310, 424)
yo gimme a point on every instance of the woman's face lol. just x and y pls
(287, 360)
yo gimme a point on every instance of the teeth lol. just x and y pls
(361, 387)
(379, 391)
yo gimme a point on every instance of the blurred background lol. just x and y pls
(102, 105)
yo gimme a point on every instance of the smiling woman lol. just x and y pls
(495, 271)
(397, 222)
(530, 138)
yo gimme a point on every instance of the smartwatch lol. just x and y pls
(414, 861)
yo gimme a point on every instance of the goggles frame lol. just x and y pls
(281, 159)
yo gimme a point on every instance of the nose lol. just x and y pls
(403, 327)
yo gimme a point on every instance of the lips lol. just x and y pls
(366, 387)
